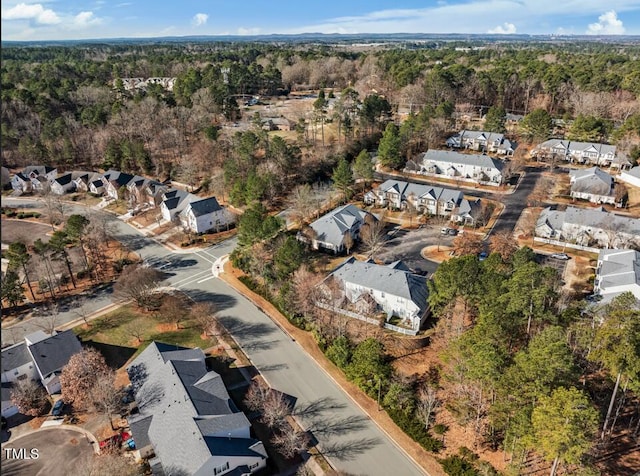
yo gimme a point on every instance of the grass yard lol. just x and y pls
(129, 327)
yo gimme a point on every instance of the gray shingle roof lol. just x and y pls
(15, 356)
(390, 279)
(205, 206)
(187, 404)
(64, 179)
(577, 146)
(140, 430)
(405, 189)
(634, 172)
(118, 178)
(453, 157)
(330, 228)
(175, 198)
(593, 180)
(53, 353)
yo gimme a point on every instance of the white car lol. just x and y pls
(561, 256)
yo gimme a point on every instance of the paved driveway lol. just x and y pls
(59, 451)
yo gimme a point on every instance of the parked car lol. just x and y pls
(483, 256)
(444, 231)
(453, 231)
(561, 256)
(115, 441)
(58, 407)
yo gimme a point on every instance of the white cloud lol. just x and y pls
(608, 24)
(35, 13)
(248, 31)
(199, 19)
(85, 19)
(504, 29)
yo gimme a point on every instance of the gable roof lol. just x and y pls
(393, 279)
(405, 189)
(618, 268)
(15, 356)
(204, 206)
(38, 169)
(452, 157)
(174, 199)
(576, 146)
(175, 391)
(53, 353)
(330, 228)
(117, 178)
(634, 172)
(593, 180)
(64, 179)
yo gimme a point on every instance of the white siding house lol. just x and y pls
(618, 272)
(592, 184)
(200, 216)
(590, 227)
(63, 184)
(391, 290)
(632, 176)
(481, 141)
(574, 151)
(475, 168)
(329, 230)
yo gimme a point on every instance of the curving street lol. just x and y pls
(345, 434)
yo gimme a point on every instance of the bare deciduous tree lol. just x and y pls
(173, 309)
(138, 283)
(290, 442)
(272, 404)
(467, 244)
(427, 403)
(108, 464)
(30, 397)
(305, 288)
(80, 375)
(373, 236)
(205, 314)
(103, 397)
(503, 243)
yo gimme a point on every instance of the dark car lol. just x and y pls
(453, 231)
(57, 408)
(483, 256)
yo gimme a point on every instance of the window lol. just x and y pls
(221, 469)
(254, 465)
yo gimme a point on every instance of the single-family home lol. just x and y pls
(574, 151)
(33, 171)
(39, 357)
(618, 272)
(144, 191)
(63, 184)
(631, 176)
(173, 202)
(329, 231)
(481, 141)
(590, 227)
(364, 290)
(448, 164)
(113, 181)
(426, 199)
(204, 214)
(187, 423)
(592, 184)
(21, 183)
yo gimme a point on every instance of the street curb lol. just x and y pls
(93, 440)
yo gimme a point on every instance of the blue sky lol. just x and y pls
(83, 19)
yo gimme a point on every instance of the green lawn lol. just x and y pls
(119, 330)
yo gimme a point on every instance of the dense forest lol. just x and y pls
(524, 367)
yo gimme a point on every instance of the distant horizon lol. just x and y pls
(398, 36)
(78, 20)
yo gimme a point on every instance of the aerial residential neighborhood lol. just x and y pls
(323, 253)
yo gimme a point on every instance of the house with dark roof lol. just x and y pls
(83, 179)
(204, 214)
(329, 231)
(592, 184)
(63, 184)
(187, 423)
(453, 165)
(40, 357)
(173, 202)
(144, 191)
(113, 181)
(482, 141)
(391, 293)
(21, 183)
(618, 272)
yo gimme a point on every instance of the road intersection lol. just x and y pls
(348, 438)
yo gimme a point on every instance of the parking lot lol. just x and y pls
(405, 245)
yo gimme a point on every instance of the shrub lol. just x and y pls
(21, 215)
(415, 429)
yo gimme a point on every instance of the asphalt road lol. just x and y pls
(348, 438)
(59, 451)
